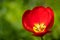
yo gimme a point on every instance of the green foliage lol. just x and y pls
(11, 12)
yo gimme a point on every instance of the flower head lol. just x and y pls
(39, 20)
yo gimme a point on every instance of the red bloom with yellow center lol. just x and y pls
(39, 20)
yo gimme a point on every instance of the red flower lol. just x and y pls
(39, 20)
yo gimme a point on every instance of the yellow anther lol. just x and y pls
(39, 27)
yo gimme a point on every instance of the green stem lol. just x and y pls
(41, 38)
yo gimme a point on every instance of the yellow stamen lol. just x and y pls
(39, 27)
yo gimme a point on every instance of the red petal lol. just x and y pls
(41, 15)
(52, 18)
(24, 20)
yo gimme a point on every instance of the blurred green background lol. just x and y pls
(11, 12)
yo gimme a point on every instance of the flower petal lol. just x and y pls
(25, 19)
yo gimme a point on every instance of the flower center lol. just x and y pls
(39, 27)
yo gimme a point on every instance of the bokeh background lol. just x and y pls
(11, 12)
